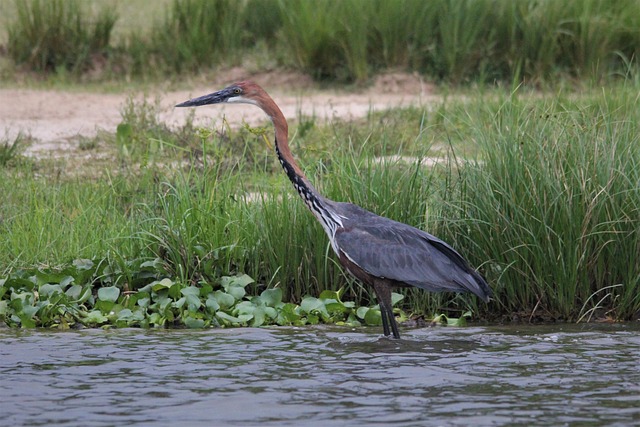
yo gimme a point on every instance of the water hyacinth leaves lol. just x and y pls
(94, 294)
(108, 294)
(372, 316)
(29, 300)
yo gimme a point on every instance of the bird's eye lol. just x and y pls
(237, 91)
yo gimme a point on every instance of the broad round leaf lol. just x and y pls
(224, 299)
(310, 304)
(373, 317)
(110, 293)
(193, 323)
(212, 303)
(271, 297)
(48, 289)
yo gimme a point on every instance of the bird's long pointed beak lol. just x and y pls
(213, 98)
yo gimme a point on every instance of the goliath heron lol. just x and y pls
(378, 251)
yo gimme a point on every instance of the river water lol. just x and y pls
(555, 375)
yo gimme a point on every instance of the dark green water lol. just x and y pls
(584, 375)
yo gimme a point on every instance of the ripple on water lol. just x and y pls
(552, 375)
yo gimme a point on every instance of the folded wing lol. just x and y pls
(393, 250)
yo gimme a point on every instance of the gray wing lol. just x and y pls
(397, 251)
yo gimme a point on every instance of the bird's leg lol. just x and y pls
(394, 324)
(383, 293)
(385, 322)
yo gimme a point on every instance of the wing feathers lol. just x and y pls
(397, 251)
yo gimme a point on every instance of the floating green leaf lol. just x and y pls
(212, 303)
(175, 290)
(333, 306)
(328, 294)
(74, 292)
(26, 321)
(224, 299)
(288, 315)
(241, 281)
(271, 297)
(245, 307)
(143, 299)
(95, 317)
(236, 292)
(48, 290)
(227, 318)
(234, 285)
(259, 316)
(158, 285)
(396, 298)
(110, 293)
(192, 296)
(373, 317)
(362, 311)
(193, 323)
(19, 283)
(311, 304)
(66, 281)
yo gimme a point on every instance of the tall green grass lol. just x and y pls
(456, 41)
(9, 151)
(542, 40)
(59, 35)
(550, 212)
(53, 223)
(199, 33)
(553, 208)
(312, 37)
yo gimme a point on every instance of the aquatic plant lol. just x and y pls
(97, 293)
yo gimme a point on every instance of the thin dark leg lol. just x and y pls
(385, 323)
(394, 324)
(383, 293)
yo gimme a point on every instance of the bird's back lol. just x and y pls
(403, 254)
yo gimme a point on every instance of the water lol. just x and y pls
(556, 375)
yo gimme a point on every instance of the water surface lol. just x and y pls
(555, 375)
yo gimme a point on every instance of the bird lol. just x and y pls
(378, 251)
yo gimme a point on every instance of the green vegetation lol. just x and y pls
(9, 150)
(59, 35)
(91, 294)
(456, 41)
(550, 212)
(555, 202)
(198, 227)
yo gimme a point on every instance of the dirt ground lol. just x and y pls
(54, 119)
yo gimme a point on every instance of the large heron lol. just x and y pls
(378, 251)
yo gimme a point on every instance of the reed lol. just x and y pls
(198, 34)
(59, 35)
(456, 41)
(552, 209)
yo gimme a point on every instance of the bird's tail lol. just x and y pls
(480, 286)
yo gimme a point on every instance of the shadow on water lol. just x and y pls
(325, 376)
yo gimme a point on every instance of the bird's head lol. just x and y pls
(242, 92)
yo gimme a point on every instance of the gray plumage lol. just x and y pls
(399, 252)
